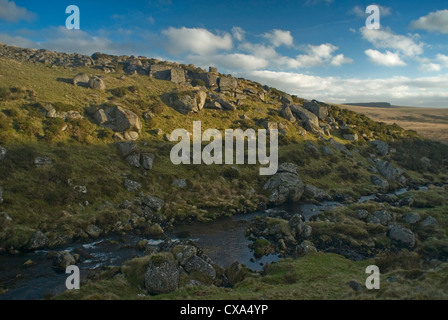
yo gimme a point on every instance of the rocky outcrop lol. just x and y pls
(227, 84)
(285, 185)
(319, 109)
(287, 114)
(167, 73)
(309, 120)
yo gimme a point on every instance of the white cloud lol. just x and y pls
(321, 55)
(443, 59)
(17, 41)
(279, 37)
(10, 12)
(386, 39)
(388, 59)
(340, 59)
(433, 22)
(430, 67)
(195, 40)
(238, 33)
(423, 91)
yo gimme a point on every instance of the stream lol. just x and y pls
(222, 240)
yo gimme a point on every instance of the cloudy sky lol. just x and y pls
(317, 49)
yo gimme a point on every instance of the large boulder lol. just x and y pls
(317, 108)
(287, 113)
(380, 182)
(412, 217)
(227, 84)
(188, 101)
(118, 119)
(312, 192)
(387, 170)
(196, 264)
(153, 203)
(62, 260)
(310, 120)
(81, 79)
(38, 241)
(285, 185)
(401, 236)
(162, 275)
(97, 83)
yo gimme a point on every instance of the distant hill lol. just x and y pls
(371, 104)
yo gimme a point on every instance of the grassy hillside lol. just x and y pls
(83, 185)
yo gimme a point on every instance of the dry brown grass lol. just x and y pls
(431, 123)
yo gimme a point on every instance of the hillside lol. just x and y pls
(85, 153)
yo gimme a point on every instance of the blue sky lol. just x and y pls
(313, 48)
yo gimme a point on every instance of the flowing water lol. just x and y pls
(223, 241)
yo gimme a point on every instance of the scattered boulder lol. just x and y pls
(81, 79)
(227, 84)
(132, 186)
(162, 275)
(411, 218)
(62, 260)
(183, 253)
(127, 148)
(180, 183)
(287, 114)
(312, 192)
(387, 170)
(153, 203)
(381, 146)
(429, 222)
(310, 120)
(317, 108)
(147, 160)
(188, 101)
(380, 182)
(285, 185)
(401, 236)
(38, 241)
(97, 83)
(340, 147)
(362, 214)
(383, 216)
(1, 195)
(305, 247)
(93, 231)
(196, 264)
(118, 119)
